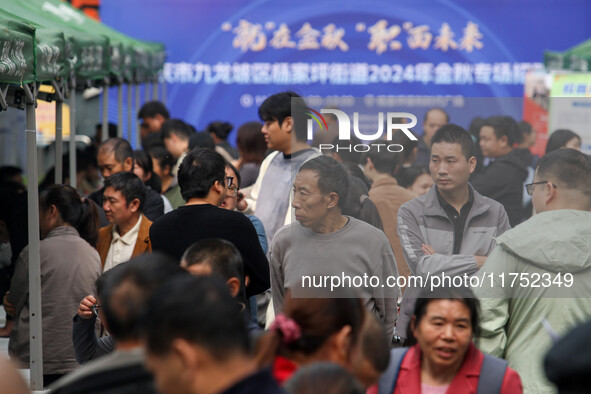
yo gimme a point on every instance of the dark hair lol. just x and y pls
(201, 139)
(408, 175)
(436, 109)
(128, 288)
(7, 172)
(119, 146)
(323, 377)
(251, 143)
(112, 129)
(143, 160)
(153, 108)
(162, 156)
(332, 177)
(503, 126)
(475, 126)
(384, 162)
(568, 167)
(221, 255)
(82, 214)
(375, 343)
(130, 185)
(407, 144)
(281, 105)
(318, 319)
(461, 294)
(199, 310)
(236, 172)
(220, 129)
(176, 127)
(358, 204)
(199, 171)
(454, 134)
(346, 150)
(559, 138)
(523, 129)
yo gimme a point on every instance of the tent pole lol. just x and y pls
(59, 147)
(35, 330)
(164, 100)
(129, 111)
(138, 137)
(146, 92)
(120, 111)
(105, 126)
(155, 90)
(72, 145)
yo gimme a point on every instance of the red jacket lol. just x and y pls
(465, 381)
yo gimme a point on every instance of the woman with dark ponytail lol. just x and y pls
(69, 267)
(311, 330)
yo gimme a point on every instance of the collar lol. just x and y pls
(131, 236)
(445, 205)
(62, 230)
(434, 208)
(385, 181)
(296, 154)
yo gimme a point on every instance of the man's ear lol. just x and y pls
(550, 193)
(332, 200)
(341, 345)
(234, 286)
(218, 186)
(413, 329)
(186, 354)
(369, 163)
(504, 140)
(134, 205)
(472, 164)
(128, 164)
(287, 124)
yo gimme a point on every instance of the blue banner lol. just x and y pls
(225, 57)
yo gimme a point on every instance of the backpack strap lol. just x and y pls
(387, 381)
(492, 374)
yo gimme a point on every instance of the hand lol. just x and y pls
(480, 260)
(246, 281)
(242, 205)
(85, 307)
(427, 249)
(8, 307)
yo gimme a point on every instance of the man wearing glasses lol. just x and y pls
(204, 186)
(539, 275)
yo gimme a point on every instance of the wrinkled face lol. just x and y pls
(108, 165)
(449, 168)
(422, 184)
(444, 333)
(435, 119)
(231, 199)
(116, 208)
(277, 137)
(574, 143)
(310, 204)
(168, 373)
(490, 145)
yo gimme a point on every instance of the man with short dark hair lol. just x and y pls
(176, 135)
(451, 229)
(115, 155)
(197, 343)
(503, 179)
(128, 235)
(540, 270)
(433, 120)
(323, 243)
(286, 133)
(123, 299)
(204, 185)
(388, 196)
(152, 114)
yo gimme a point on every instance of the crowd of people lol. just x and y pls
(192, 266)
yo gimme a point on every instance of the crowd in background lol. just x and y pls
(178, 267)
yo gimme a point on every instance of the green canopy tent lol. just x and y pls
(577, 58)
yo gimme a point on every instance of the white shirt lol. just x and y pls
(122, 247)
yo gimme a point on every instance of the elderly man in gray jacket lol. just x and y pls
(450, 230)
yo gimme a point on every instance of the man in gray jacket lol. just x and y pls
(450, 230)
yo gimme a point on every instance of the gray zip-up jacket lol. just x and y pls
(424, 221)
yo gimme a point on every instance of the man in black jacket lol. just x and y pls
(115, 155)
(503, 179)
(203, 182)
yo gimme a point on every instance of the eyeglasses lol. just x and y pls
(530, 186)
(232, 191)
(95, 309)
(229, 180)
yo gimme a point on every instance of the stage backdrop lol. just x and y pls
(226, 56)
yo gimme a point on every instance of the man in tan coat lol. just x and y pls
(379, 166)
(129, 233)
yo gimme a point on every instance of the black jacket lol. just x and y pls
(503, 181)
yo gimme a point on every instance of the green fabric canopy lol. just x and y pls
(17, 51)
(577, 58)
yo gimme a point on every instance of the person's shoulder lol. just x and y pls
(367, 232)
(95, 195)
(168, 219)
(417, 203)
(285, 232)
(493, 205)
